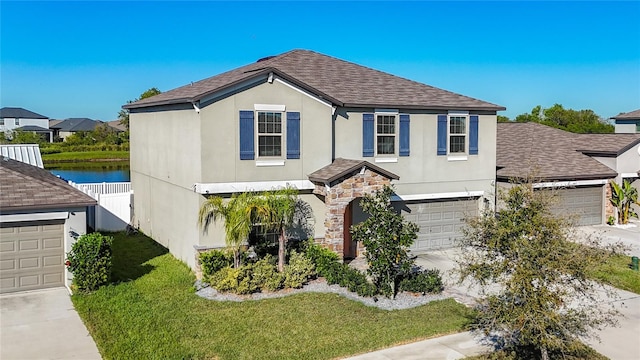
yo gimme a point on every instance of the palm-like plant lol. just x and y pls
(622, 197)
(237, 214)
(276, 211)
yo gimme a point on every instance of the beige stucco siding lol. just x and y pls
(220, 136)
(424, 171)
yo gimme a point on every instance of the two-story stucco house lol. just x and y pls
(15, 118)
(333, 129)
(628, 123)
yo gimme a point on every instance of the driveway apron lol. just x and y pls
(43, 324)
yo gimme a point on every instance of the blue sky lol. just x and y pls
(86, 59)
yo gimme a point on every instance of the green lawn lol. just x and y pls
(85, 156)
(153, 313)
(617, 272)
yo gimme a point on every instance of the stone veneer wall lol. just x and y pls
(609, 209)
(337, 198)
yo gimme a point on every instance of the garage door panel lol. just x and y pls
(440, 223)
(584, 204)
(31, 257)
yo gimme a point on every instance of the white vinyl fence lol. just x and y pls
(113, 212)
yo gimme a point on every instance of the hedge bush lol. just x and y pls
(422, 281)
(299, 270)
(90, 261)
(265, 275)
(322, 258)
(213, 260)
(236, 280)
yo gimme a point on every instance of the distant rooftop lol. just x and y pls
(631, 115)
(76, 124)
(16, 112)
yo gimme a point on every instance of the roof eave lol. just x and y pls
(425, 107)
(49, 206)
(503, 178)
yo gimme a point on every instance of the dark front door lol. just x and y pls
(350, 247)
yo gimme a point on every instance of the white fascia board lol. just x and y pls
(269, 107)
(561, 184)
(250, 186)
(58, 215)
(433, 196)
(324, 102)
(628, 175)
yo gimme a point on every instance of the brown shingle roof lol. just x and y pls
(24, 186)
(631, 115)
(341, 82)
(343, 167)
(605, 144)
(531, 149)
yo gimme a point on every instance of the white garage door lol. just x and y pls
(440, 222)
(31, 256)
(585, 203)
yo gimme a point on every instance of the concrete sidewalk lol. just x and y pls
(43, 324)
(450, 347)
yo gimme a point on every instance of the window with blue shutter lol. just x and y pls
(473, 135)
(246, 135)
(293, 135)
(442, 134)
(404, 135)
(367, 135)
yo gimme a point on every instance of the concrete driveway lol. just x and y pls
(619, 343)
(43, 324)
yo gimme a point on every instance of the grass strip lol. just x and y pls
(83, 156)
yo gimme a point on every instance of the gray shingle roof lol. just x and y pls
(16, 112)
(340, 82)
(33, 128)
(631, 115)
(531, 149)
(24, 186)
(76, 124)
(343, 167)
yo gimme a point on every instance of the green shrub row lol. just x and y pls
(261, 275)
(55, 148)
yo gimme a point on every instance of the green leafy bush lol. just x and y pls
(298, 271)
(423, 281)
(265, 274)
(90, 261)
(214, 260)
(350, 278)
(321, 257)
(236, 280)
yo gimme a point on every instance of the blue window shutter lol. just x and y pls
(404, 135)
(367, 135)
(293, 135)
(473, 135)
(442, 134)
(247, 143)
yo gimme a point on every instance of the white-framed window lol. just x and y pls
(457, 133)
(386, 134)
(270, 134)
(17, 122)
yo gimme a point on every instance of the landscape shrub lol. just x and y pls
(322, 258)
(299, 270)
(265, 275)
(236, 280)
(422, 281)
(350, 278)
(90, 261)
(213, 260)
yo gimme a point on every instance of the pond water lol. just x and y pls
(92, 172)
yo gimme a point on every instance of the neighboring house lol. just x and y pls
(117, 125)
(579, 166)
(333, 129)
(628, 123)
(41, 217)
(70, 126)
(14, 118)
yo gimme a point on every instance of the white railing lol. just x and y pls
(108, 187)
(113, 212)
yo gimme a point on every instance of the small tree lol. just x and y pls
(386, 236)
(537, 295)
(622, 197)
(275, 210)
(237, 214)
(123, 114)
